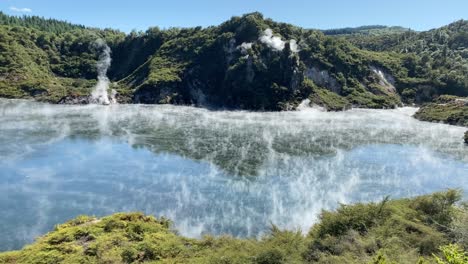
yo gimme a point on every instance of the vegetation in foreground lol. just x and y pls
(426, 229)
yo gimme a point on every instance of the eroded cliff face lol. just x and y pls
(230, 73)
(385, 80)
(322, 78)
(256, 75)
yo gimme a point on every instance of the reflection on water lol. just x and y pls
(215, 172)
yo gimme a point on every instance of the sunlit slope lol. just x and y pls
(247, 62)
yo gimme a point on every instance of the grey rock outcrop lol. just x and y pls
(323, 78)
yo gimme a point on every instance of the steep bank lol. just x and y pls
(248, 62)
(402, 231)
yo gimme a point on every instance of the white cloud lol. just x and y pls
(271, 41)
(22, 10)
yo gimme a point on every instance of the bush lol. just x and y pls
(270, 256)
(398, 231)
(452, 254)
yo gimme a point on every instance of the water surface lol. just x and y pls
(212, 172)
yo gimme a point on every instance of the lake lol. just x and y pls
(212, 172)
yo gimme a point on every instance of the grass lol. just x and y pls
(426, 229)
(330, 100)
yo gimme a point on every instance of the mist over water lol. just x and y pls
(212, 172)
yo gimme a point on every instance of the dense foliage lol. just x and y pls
(446, 109)
(375, 30)
(439, 57)
(47, 59)
(426, 229)
(247, 62)
(49, 25)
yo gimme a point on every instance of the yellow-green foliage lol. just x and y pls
(162, 70)
(400, 231)
(323, 97)
(330, 100)
(452, 254)
(363, 98)
(127, 238)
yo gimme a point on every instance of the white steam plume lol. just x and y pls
(293, 45)
(244, 47)
(99, 94)
(276, 43)
(271, 41)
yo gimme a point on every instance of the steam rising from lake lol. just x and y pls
(212, 172)
(100, 94)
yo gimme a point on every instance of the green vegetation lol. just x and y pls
(325, 98)
(47, 59)
(331, 101)
(426, 229)
(49, 25)
(452, 254)
(446, 109)
(229, 66)
(376, 30)
(438, 58)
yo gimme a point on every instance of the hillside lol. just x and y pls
(426, 229)
(439, 55)
(248, 62)
(375, 30)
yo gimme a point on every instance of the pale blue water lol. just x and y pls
(212, 172)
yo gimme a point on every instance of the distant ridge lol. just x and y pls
(366, 30)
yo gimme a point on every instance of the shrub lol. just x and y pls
(452, 254)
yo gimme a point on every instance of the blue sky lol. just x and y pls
(323, 14)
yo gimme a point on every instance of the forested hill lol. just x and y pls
(247, 62)
(365, 31)
(49, 25)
